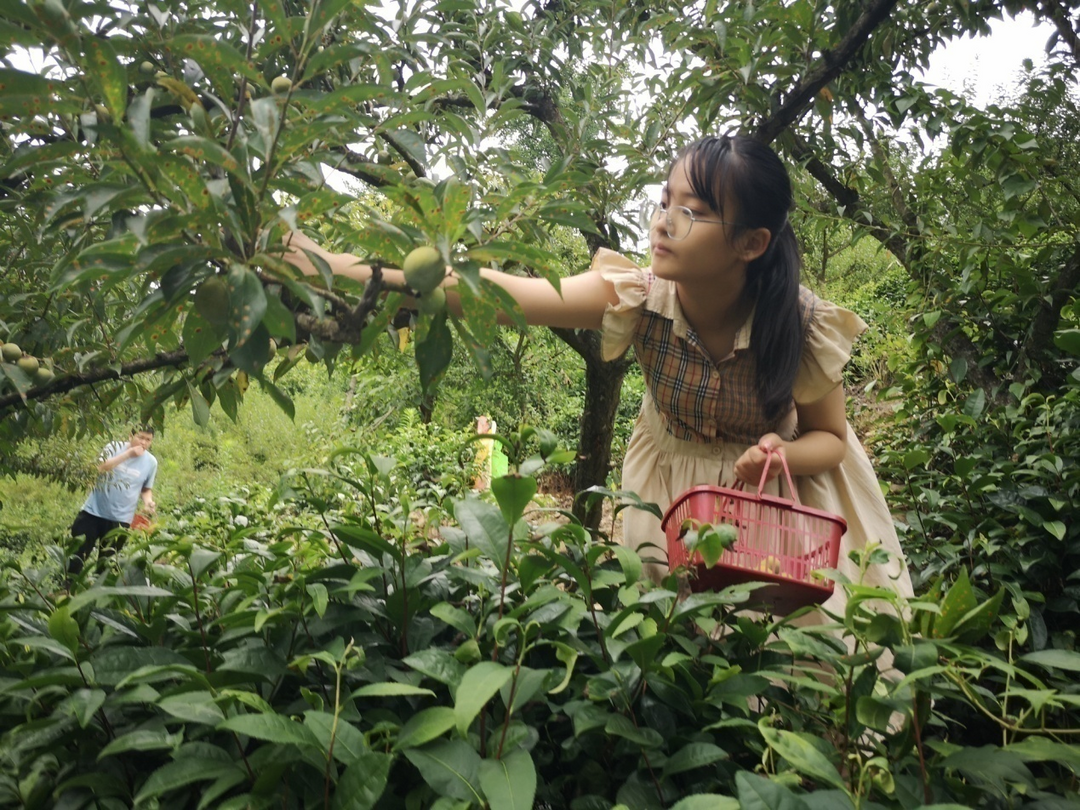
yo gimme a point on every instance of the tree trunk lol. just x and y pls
(603, 390)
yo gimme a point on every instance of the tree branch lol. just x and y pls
(848, 199)
(945, 333)
(830, 65)
(69, 382)
(1059, 15)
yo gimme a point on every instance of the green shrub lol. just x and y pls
(366, 660)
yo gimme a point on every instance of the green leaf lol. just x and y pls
(801, 754)
(1041, 749)
(108, 74)
(203, 150)
(425, 726)
(363, 783)
(758, 793)
(1056, 528)
(278, 319)
(220, 60)
(99, 593)
(477, 687)
(113, 664)
(958, 602)
(272, 728)
(975, 404)
(568, 656)
(622, 726)
(1054, 659)
(693, 755)
(280, 398)
(364, 539)
(513, 493)
(451, 768)
(201, 559)
(958, 369)
(706, 801)
(247, 304)
(192, 707)
(455, 617)
(873, 713)
(509, 783)
(990, 765)
(390, 689)
(912, 658)
(200, 338)
(630, 563)
(349, 742)
(84, 704)
(1068, 340)
(183, 772)
(915, 458)
(64, 628)
(200, 408)
(486, 528)
(977, 622)
(267, 118)
(141, 740)
(435, 351)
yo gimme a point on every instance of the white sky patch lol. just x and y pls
(987, 65)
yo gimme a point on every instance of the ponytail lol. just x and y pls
(777, 339)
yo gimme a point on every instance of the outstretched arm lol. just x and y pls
(581, 305)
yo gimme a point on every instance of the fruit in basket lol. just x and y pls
(770, 565)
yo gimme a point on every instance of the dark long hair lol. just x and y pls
(750, 177)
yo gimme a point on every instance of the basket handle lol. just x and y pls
(787, 474)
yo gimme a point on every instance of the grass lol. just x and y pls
(219, 460)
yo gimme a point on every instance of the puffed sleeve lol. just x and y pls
(620, 319)
(829, 336)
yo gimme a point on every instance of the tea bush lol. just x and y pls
(360, 643)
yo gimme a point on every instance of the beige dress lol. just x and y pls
(700, 414)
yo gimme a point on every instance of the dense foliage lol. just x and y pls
(388, 654)
(358, 634)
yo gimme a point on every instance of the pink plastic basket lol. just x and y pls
(779, 541)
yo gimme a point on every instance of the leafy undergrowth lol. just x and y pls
(404, 650)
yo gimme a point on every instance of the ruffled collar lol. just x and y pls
(663, 299)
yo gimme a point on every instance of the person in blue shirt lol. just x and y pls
(125, 477)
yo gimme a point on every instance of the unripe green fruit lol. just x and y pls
(11, 352)
(147, 68)
(384, 157)
(28, 364)
(432, 303)
(212, 301)
(273, 347)
(424, 269)
(43, 376)
(281, 85)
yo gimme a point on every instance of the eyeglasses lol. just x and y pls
(678, 219)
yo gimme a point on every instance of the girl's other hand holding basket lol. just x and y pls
(750, 465)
